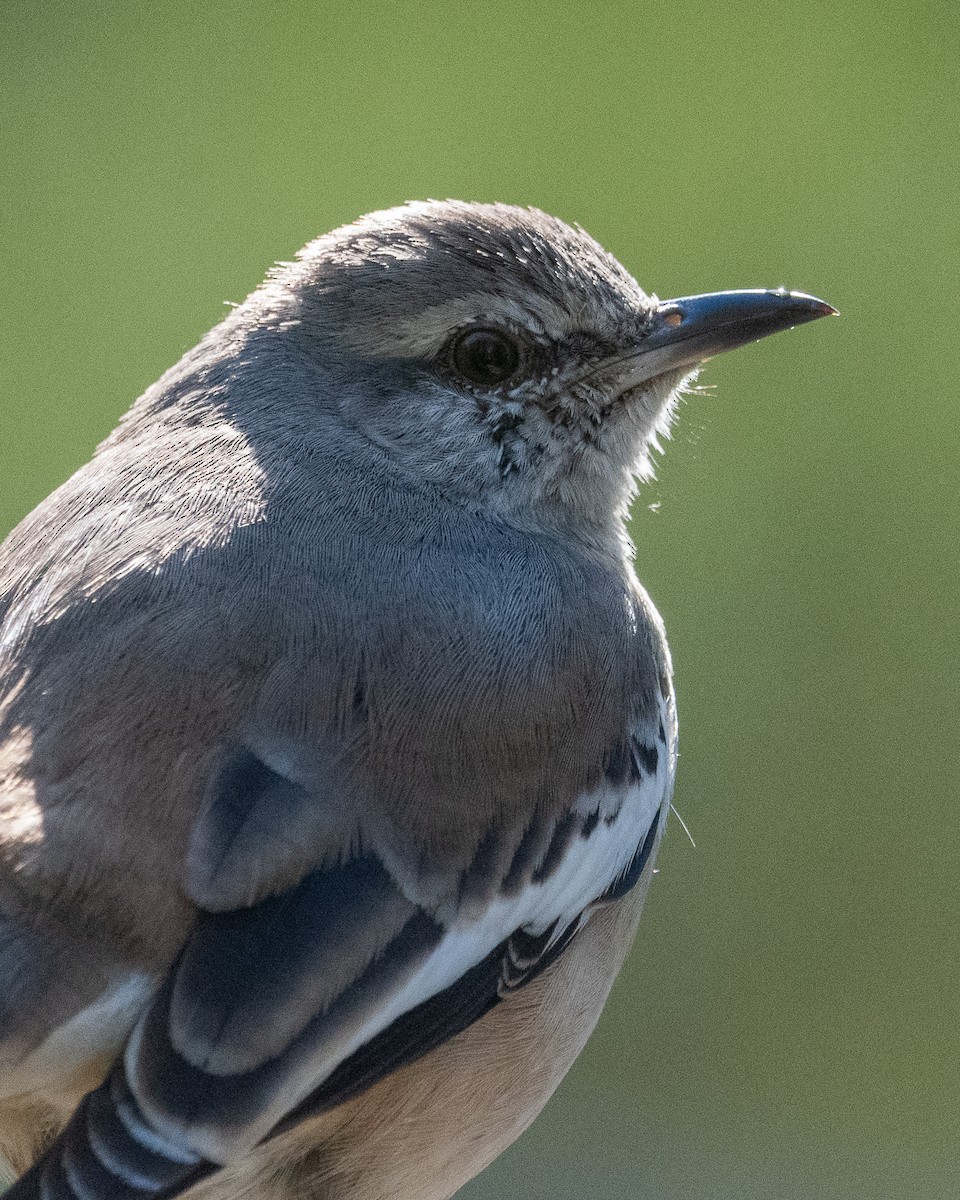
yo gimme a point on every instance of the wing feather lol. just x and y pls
(291, 1005)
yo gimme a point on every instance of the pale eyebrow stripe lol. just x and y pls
(425, 331)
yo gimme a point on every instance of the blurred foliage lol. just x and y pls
(787, 1025)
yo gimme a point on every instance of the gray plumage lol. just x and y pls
(330, 711)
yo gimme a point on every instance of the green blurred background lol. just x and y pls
(787, 1025)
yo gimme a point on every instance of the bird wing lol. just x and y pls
(318, 982)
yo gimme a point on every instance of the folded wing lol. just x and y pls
(291, 1003)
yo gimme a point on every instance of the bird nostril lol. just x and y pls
(673, 319)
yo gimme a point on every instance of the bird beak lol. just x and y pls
(685, 332)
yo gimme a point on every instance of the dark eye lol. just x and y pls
(486, 356)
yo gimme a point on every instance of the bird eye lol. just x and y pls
(486, 356)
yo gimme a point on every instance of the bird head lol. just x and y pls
(503, 356)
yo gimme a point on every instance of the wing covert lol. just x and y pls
(291, 1005)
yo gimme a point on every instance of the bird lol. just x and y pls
(337, 732)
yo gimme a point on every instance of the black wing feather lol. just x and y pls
(260, 991)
